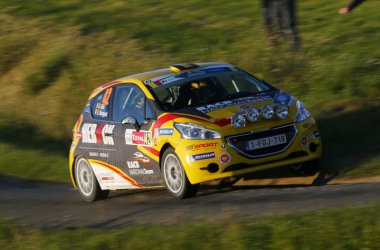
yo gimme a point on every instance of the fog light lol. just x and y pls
(282, 112)
(267, 112)
(238, 120)
(253, 115)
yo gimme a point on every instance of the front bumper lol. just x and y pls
(216, 159)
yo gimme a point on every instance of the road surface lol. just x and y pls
(51, 205)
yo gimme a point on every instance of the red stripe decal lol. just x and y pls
(158, 83)
(223, 122)
(152, 150)
(109, 84)
(119, 172)
(163, 119)
(194, 117)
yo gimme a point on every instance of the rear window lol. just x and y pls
(100, 105)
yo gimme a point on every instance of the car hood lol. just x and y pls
(220, 113)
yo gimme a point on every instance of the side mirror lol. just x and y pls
(131, 120)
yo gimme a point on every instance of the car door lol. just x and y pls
(133, 118)
(98, 143)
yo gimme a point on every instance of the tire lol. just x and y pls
(312, 167)
(176, 182)
(86, 181)
(307, 168)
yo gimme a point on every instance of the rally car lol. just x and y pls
(184, 125)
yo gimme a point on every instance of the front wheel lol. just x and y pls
(176, 181)
(87, 184)
(308, 168)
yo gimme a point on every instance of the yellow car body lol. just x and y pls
(196, 140)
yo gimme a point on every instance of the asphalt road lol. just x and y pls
(49, 205)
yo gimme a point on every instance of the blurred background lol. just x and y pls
(54, 53)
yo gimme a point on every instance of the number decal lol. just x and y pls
(106, 97)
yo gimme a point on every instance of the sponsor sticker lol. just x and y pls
(106, 177)
(195, 147)
(304, 141)
(93, 133)
(133, 164)
(157, 78)
(104, 155)
(111, 178)
(199, 157)
(88, 133)
(101, 110)
(165, 79)
(165, 131)
(192, 73)
(97, 154)
(138, 156)
(141, 171)
(134, 167)
(243, 100)
(93, 154)
(107, 133)
(224, 158)
(133, 137)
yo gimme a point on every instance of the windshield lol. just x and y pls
(197, 91)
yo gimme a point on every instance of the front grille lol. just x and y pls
(241, 166)
(239, 142)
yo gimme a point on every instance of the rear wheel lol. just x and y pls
(86, 181)
(176, 181)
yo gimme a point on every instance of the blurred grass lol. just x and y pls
(353, 228)
(55, 52)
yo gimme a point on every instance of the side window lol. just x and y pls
(148, 111)
(100, 105)
(129, 101)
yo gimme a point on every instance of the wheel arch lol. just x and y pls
(72, 172)
(162, 151)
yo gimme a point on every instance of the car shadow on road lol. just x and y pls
(281, 178)
(278, 178)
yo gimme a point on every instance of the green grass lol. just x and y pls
(53, 53)
(354, 228)
(29, 154)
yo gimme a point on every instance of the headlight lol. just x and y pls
(196, 132)
(267, 112)
(302, 113)
(238, 120)
(282, 112)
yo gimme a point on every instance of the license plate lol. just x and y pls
(266, 142)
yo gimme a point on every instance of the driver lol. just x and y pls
(203, 92)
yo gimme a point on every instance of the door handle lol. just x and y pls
(108, 134)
